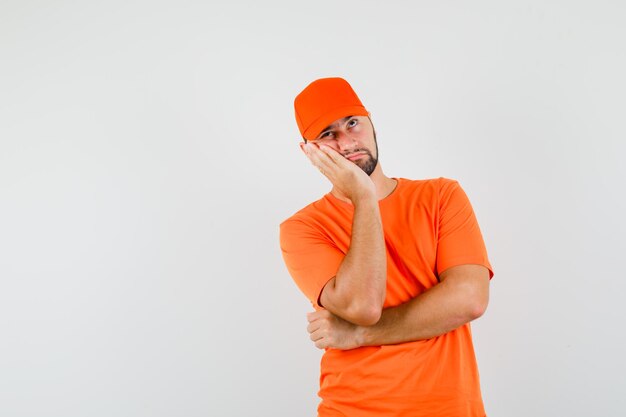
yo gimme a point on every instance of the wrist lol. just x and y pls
(362, 335)
(365, 199)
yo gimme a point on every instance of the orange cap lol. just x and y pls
(324, 101)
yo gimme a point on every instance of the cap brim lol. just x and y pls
(328, 118)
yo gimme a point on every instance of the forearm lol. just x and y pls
(439, 310)
(362, 276)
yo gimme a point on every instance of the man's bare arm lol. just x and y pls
(357, 292)
(460, 297)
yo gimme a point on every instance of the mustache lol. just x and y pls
(359, 150)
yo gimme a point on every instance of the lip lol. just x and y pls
(355, 156)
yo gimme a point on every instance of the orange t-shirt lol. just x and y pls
(429, 226)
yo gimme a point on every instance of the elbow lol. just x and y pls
(358, 307)
(371, 311)
(367, 314)
(477, 308)
(476, 299)
(371, 317)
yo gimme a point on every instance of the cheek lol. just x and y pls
(365, 138)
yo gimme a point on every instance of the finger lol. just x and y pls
(318, 314)
(321, 344)
(313, 327)
(320, 159)
(310, 153)
(315, 315)
(334, 156)
(323, 168)
(315, 336)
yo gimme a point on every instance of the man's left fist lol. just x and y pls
(330, 331)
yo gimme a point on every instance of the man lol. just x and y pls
(395, 269)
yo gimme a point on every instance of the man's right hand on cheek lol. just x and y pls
(344, 174)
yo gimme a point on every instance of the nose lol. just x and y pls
(345, 141)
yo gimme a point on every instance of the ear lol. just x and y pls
(302, 146)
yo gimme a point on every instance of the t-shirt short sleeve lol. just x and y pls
(459, 238)
(311, 258)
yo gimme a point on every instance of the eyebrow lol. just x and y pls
(345, 119)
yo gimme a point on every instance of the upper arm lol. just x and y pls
(459, 239)
(471, 282)
(311, 259)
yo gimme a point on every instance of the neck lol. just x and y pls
(384, 185)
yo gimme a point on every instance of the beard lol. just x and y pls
(369, 162)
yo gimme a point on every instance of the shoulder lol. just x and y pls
(311, 225)
(303, 217)
(426, 182)
(446, 183)
(429, 187)
(447, 187)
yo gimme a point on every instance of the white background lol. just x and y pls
(149, 152)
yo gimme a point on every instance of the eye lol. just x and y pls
(352, 122)
(326, 134)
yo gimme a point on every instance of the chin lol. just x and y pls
(368, 164)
